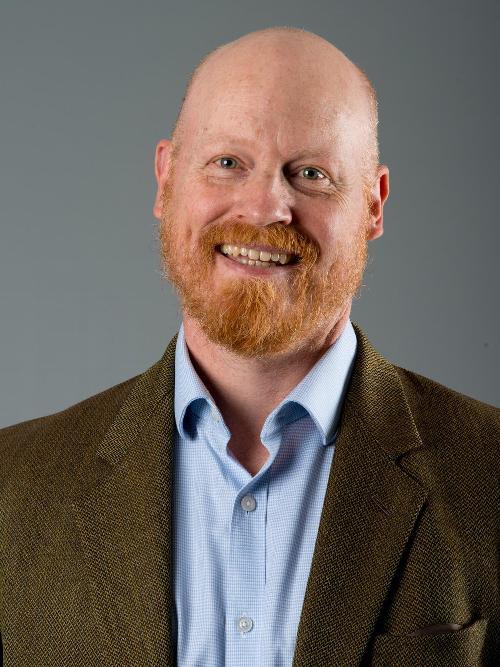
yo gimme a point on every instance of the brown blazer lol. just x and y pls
(408, 537)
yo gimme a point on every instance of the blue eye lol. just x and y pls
(225, 162)
(312, 171)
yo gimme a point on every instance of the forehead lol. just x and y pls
(288, 117)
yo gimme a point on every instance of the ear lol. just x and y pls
(378, 195)
(162, 164)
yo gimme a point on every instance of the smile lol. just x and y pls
(265, 258)
(251, 267)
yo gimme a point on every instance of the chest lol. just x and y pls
(252, 455)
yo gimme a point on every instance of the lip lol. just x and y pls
(245, 269)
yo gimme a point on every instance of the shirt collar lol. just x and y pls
(320, 393)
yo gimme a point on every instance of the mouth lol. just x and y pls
(261, 256)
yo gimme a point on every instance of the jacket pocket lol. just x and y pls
(456, 648)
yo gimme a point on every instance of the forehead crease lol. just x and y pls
(288, 133)
(317, 143)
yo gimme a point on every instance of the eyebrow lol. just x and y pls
(307, 151)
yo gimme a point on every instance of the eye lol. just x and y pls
(312, 174)
(226, 162)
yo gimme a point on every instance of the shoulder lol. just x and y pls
(63, 435)
(455, 420)
(430, 396)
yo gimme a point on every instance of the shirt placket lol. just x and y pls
(246, 577)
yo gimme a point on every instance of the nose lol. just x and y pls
(264, 199)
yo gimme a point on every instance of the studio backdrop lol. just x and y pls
(88, 89)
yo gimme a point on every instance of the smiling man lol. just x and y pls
(272, 492)
(268, 195)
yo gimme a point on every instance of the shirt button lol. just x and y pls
(245, 624)
(215, 416)
(248, 503)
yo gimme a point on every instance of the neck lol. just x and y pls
(246, 390)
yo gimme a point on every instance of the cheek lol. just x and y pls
(201, 205)
(324, 223)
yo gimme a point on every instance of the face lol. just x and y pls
(264, 167)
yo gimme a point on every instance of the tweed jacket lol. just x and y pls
(407, 542)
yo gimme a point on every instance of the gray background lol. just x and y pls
(87, 90)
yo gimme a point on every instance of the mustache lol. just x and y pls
(284, 237)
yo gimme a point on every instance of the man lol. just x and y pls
(273, 491)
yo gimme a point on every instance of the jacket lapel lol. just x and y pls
(371, 505)
(370, 509)
(124, 524)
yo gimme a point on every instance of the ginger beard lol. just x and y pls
(259, 316)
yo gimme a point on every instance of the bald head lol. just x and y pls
(291, 64)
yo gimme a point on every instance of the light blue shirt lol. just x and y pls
(243, 545)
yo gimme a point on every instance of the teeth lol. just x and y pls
(255, 257)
